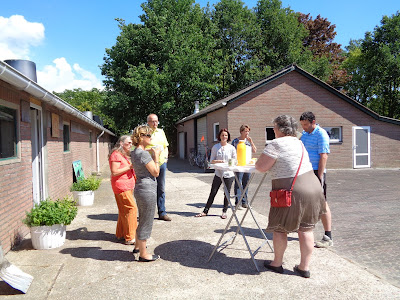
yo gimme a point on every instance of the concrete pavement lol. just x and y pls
(92, 264)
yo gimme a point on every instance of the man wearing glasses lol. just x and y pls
(158, 139)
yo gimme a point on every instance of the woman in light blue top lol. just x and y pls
(220, 153)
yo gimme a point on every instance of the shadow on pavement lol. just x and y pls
(194, 254)
(83, 234)
(7, 290)
(105, 217)
(98, 253)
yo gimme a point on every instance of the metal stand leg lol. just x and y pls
(234, 209)
(251, 211)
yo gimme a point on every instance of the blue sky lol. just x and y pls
(67, 39)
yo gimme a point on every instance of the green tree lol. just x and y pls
(181, 53)
(93, 100)
(352, 64)
(237, 34)
(374, 64)
(163, 65)
(281, 40)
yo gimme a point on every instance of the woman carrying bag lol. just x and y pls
(282, 158)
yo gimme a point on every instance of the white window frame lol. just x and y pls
(69, 137)
(267, 141)
(17, 158)
(215, 131)
(337, 139)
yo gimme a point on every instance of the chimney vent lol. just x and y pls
(88, 114)
(26, 67)
(196, 107)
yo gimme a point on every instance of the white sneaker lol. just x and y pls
(325, 242)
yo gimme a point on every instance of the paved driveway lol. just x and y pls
(365, 205)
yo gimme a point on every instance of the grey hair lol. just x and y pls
(286, 124)
(118, 146)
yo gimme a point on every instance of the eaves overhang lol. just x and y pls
(21, 82)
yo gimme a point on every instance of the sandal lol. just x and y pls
(224, 216)
(203, 214)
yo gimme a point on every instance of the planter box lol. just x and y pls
(85, 198)
(48, 237)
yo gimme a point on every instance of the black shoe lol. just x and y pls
(153, 258)
(305, 274)
(272, 268)
(244, 205)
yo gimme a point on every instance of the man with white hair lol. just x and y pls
(158, 139)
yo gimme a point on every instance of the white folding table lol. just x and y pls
(246, 169)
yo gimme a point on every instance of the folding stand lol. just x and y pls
(246, 169)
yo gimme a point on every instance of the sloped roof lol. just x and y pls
(230, 98)
(21, 82)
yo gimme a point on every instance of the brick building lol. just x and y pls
(360, 138)
(40, 137)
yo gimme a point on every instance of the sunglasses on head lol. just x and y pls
(148, 135)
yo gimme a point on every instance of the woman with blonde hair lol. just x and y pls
(123, 183)
(146, 164)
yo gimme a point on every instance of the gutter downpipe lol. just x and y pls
(97, 152)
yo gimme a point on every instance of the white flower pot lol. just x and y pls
(85, 198)
(48, 237)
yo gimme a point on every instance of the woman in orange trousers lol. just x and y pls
(123, 182)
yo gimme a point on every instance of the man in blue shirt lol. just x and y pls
(316, 141)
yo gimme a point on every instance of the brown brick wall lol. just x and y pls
(16, 177)
(294, 94)
(215, 117)
(188, 128)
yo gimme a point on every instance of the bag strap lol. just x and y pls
(301, 160)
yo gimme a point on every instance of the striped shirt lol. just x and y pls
(316, 142)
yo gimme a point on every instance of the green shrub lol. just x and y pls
(86, 184)
(48, 213)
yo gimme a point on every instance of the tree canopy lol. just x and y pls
(92, 100)
(374, 63)
(319, 40)
(181, 53)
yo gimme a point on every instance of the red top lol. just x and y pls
(125, 181)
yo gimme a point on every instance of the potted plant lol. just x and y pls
(47, 221)
(83, 190)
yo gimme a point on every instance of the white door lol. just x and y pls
(181, 138)
(361, 147)
(37, 154)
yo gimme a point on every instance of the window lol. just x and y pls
(335, 134)
(269, 134)
(66, 137)
(90, 139)
(8, 132)
(216, 131)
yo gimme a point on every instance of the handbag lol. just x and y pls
(282, 197)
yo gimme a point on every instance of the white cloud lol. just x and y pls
(17, 36)
(61, 76)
